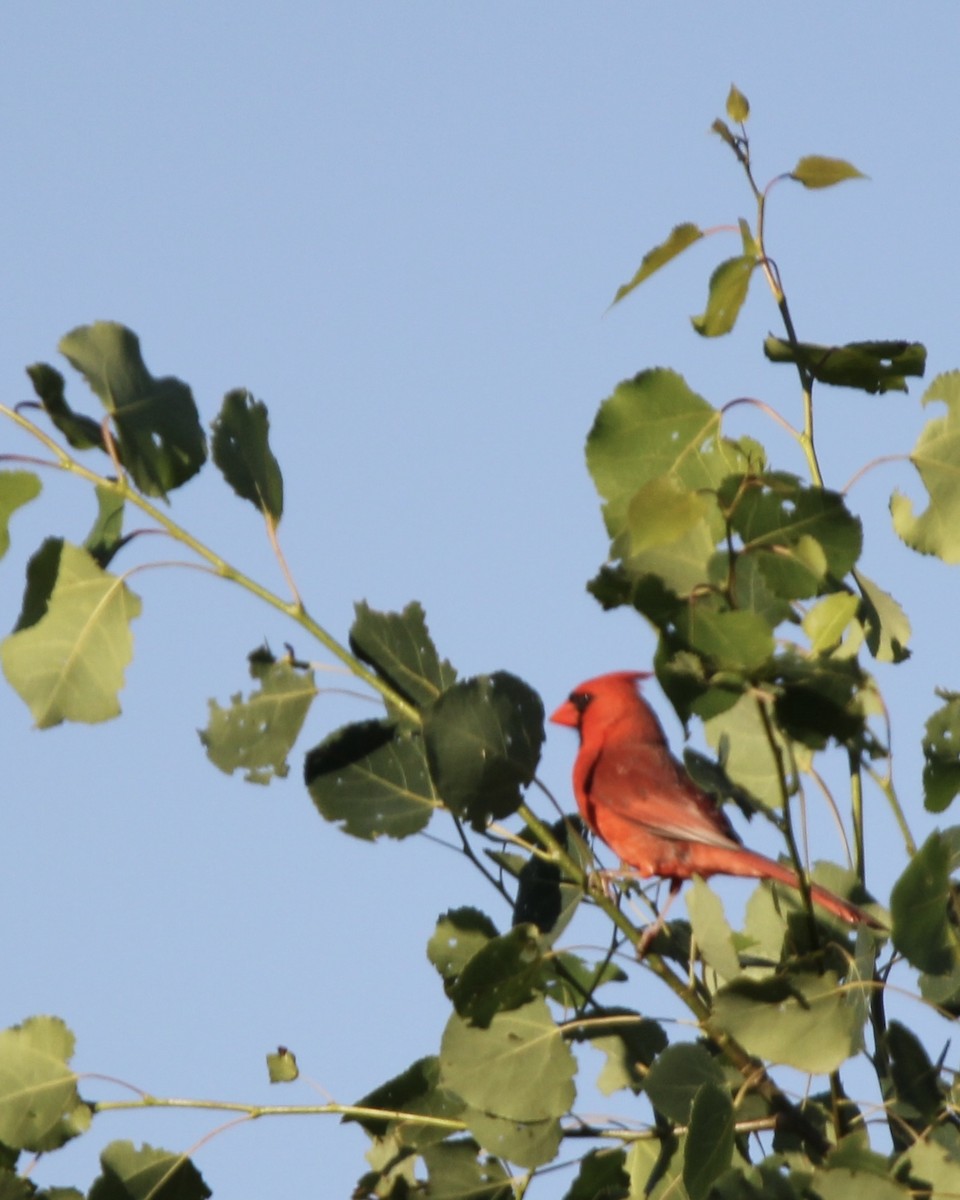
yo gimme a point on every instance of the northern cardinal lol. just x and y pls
(638, 799)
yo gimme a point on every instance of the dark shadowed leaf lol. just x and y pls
(710, 1140)
(240, 446)
(43, 568)
(415, 1090)
(372, 778)
(483, 739)
(455, 1171)
(519, 1067)
(255, 735)
(16, 489)
(505, 973)
(601, 1177)
(941, 752)
(937, 458)
(920, 907)
(677, 1075)
(69, 665)
(40, 1108)
(630, 1043)
(816, 171)
(159, 437)
(919, 1094)
(146, 1174)
(399, 648)
(681, 236)
(81, 432)
(459, 935)
(729, 285)
(866, 366)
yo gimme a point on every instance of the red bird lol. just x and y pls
(638, 799)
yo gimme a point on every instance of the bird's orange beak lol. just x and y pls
(566, 714)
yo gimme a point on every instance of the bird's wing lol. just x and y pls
(650, 789)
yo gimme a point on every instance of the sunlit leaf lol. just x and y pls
(255, 735)
(40, 1108)
(69, 665)
(483, 739)
(82, 433)
(677, 1075)
(240, 447)
(937, 459)
(459, 935)
(16, 489)
(887, 625)
(710, 1140)
(146, 1174)
(713, 935)
(399, 648)
(738, 107)
(728, 289)
(826, 622)
(816, 171)
(680, 238)
(661, 511)
(936, 1164)
(519, 1067)
(282, 1066)
(866, 366)
(159, 437)
(729, 641)
(941, 752)
(813, 1027)
(372, 778)
(526, 1143)
(751, 761)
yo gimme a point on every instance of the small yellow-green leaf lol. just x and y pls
(937, 458)
(681, 236)
(887, 625)
(826, 623)
(69, 665)
(16, 489)
(282, 1066)
(816, 171)
(738, 107)
(729, 285)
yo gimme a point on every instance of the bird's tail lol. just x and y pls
(748, 863)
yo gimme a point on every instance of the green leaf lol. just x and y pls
(681, 236)
(527, 1143)
(43, 568)
(255, 735)
(455, 1172)
(820, 699)
(630, 1043)
(815, 171)
(69, 665)
(660, 512)
(459, 935)
(106, 537)
(750, 760)
(867, 366)
(16, 489)
(399, 648)
(887, 625)
(240, 447)
(812, 1026)
(941, 752)
(723, 130)
(918, 1093)
(82, 433)
(937, 458)
(483, 739)
(919, 905)
(40, 1108)
(713, 935)
(372, 777)
(415, 1090)
(505, 973)
(728, 289)
(729, 641)
(937, 1165)
(282, 1066)
(827, 621)
(709, 1146)
(738, 107)
(601, 1177)
(159, 437)
(146, 1174)
(677, 1075)
(519, 1067)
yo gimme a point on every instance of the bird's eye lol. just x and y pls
(580, 700)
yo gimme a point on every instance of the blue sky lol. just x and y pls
(401, 226)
